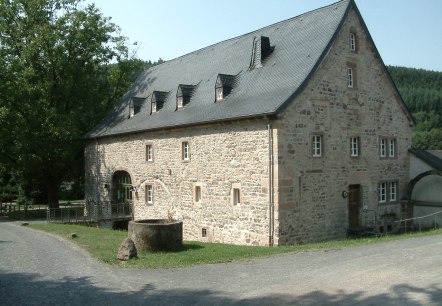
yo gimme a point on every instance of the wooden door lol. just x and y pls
(354, 200)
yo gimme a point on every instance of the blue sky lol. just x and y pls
(406, 32)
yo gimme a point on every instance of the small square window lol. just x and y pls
(354, 146)
(317, 145)
(149, 194)
(219, 93)
(204, 232)
(197, 194)
(149, 153)
(185, 149)
(350, 77)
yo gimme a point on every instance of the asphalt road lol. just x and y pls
(41, 269)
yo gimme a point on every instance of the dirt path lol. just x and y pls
(39, 269)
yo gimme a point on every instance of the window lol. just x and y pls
(185, 151)
(219, 94)
(350, 77)
(354, 146)
(352, 41)
(154, 107)
(135, 106)
(393, 192)
(179, 101)
(149, 194)
(383, 147)
(387, 147)
(392, 145)
(382, 192)
(317, 146)
(387, 192)
(204, 232)
(149, 152)
(236, 196)
(197, 194)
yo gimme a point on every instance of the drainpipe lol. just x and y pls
(97, 155)
(271, 204)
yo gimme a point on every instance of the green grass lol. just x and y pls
(104, 243)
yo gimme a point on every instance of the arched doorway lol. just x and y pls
(121, 187)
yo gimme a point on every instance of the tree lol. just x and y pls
(62, 66)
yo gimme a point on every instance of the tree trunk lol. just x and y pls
(53, 189)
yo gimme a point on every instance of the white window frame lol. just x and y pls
(149, 193)
(392, 147)
(352, 41)
(185, 151)
(131, 110)
(393, 191)
(219, 94)
(317, 145)
(383, 147)
(154, 107)
(354, 146)
(382, 192)
(350, 81)
(149, 152)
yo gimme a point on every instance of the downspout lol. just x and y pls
(271, 179)
(97, 167)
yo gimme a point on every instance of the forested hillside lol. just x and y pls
(422, 92)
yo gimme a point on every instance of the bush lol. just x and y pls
(8, 194)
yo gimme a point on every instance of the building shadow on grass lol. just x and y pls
(33, 289)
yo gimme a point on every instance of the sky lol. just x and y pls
(406, 32)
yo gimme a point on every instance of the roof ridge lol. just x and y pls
(251, 32)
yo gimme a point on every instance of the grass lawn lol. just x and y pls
(104, 243)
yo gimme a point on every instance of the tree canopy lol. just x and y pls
(62, 66)
(422, 93)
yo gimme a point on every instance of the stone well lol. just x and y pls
(156, 234)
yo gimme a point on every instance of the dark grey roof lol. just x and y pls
(429, 156)
(295, 48)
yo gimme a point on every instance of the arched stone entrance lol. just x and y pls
(121, 187)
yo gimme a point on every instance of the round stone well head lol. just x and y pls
(156, 234)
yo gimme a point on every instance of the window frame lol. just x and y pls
(149, 152)
(180, 102)
(317, 145)
(154, 107)
(391, 147)
(382, 192)
(219, 93)
(353, 46)
(355, 146)
(350, 77)
(185, 151)
(392, 190)
(148, 189)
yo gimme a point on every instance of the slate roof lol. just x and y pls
(431, 157)
(300, 43)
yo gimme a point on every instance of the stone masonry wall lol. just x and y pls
(222, 157)
(310, 205)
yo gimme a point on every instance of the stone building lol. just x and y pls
(289, 134)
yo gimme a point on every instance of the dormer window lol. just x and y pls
(179, 102)
(135, 106)
(219, 93)
(183, 95)
(157, 100)
(224, 85)
(260, 52)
